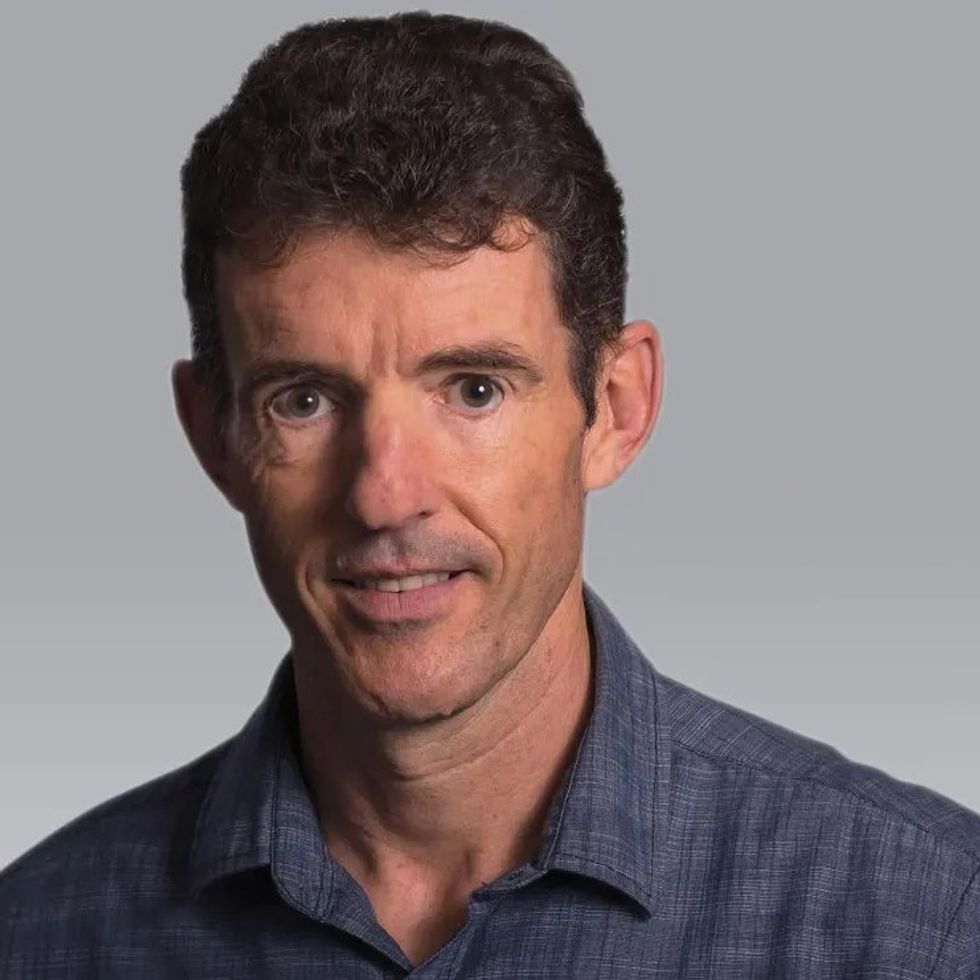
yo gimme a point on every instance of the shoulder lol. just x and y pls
(127, 842)
(763, 817)
(727, 743)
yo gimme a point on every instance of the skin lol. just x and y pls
(432, 746)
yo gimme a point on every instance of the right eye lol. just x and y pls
(299, 403)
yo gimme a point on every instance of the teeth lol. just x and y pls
(401, 584)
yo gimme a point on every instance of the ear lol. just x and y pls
(628, 395)
(198, 416)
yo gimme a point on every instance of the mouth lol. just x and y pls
(407, 583)
(374, 602)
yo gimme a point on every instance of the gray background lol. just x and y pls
(799, 537)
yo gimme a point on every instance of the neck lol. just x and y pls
(445, 806)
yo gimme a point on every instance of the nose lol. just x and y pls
(390, 478)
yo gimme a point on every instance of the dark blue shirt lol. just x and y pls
(688, 840)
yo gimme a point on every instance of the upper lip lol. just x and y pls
(388, 573)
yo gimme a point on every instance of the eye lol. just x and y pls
(299, 403)
(476, 392)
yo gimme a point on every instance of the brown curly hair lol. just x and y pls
(425, 131)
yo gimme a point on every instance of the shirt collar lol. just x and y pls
(258, 809)
(608, 821)
(601, 824)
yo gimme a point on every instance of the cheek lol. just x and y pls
(536, 488)
(290, 477)
(548, 458)
(286, 501)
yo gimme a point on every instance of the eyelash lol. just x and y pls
(497, 383)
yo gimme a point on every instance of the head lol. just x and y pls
(404, 261)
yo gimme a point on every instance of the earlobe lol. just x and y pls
(628, 396)
(196, 411)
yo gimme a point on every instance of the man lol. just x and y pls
(405, 264)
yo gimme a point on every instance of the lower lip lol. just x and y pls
(393, 607)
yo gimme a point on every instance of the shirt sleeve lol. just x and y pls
(959, 956)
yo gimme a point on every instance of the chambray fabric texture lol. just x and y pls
(689, 839)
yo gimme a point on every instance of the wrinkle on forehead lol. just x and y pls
(334, 281)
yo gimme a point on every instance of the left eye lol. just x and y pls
(476, 391)
(299, 403)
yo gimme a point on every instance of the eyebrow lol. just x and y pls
(486, 356)
(483, 356)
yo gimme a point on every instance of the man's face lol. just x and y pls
(435, 429)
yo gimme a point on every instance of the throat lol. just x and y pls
(420, 929)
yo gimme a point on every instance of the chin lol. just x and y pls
(407, 711)
(421, 703)
(415, 717)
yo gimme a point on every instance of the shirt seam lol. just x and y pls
(952, 921)
(894, 817)
(619, 872)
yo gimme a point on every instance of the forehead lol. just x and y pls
(344, 289)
